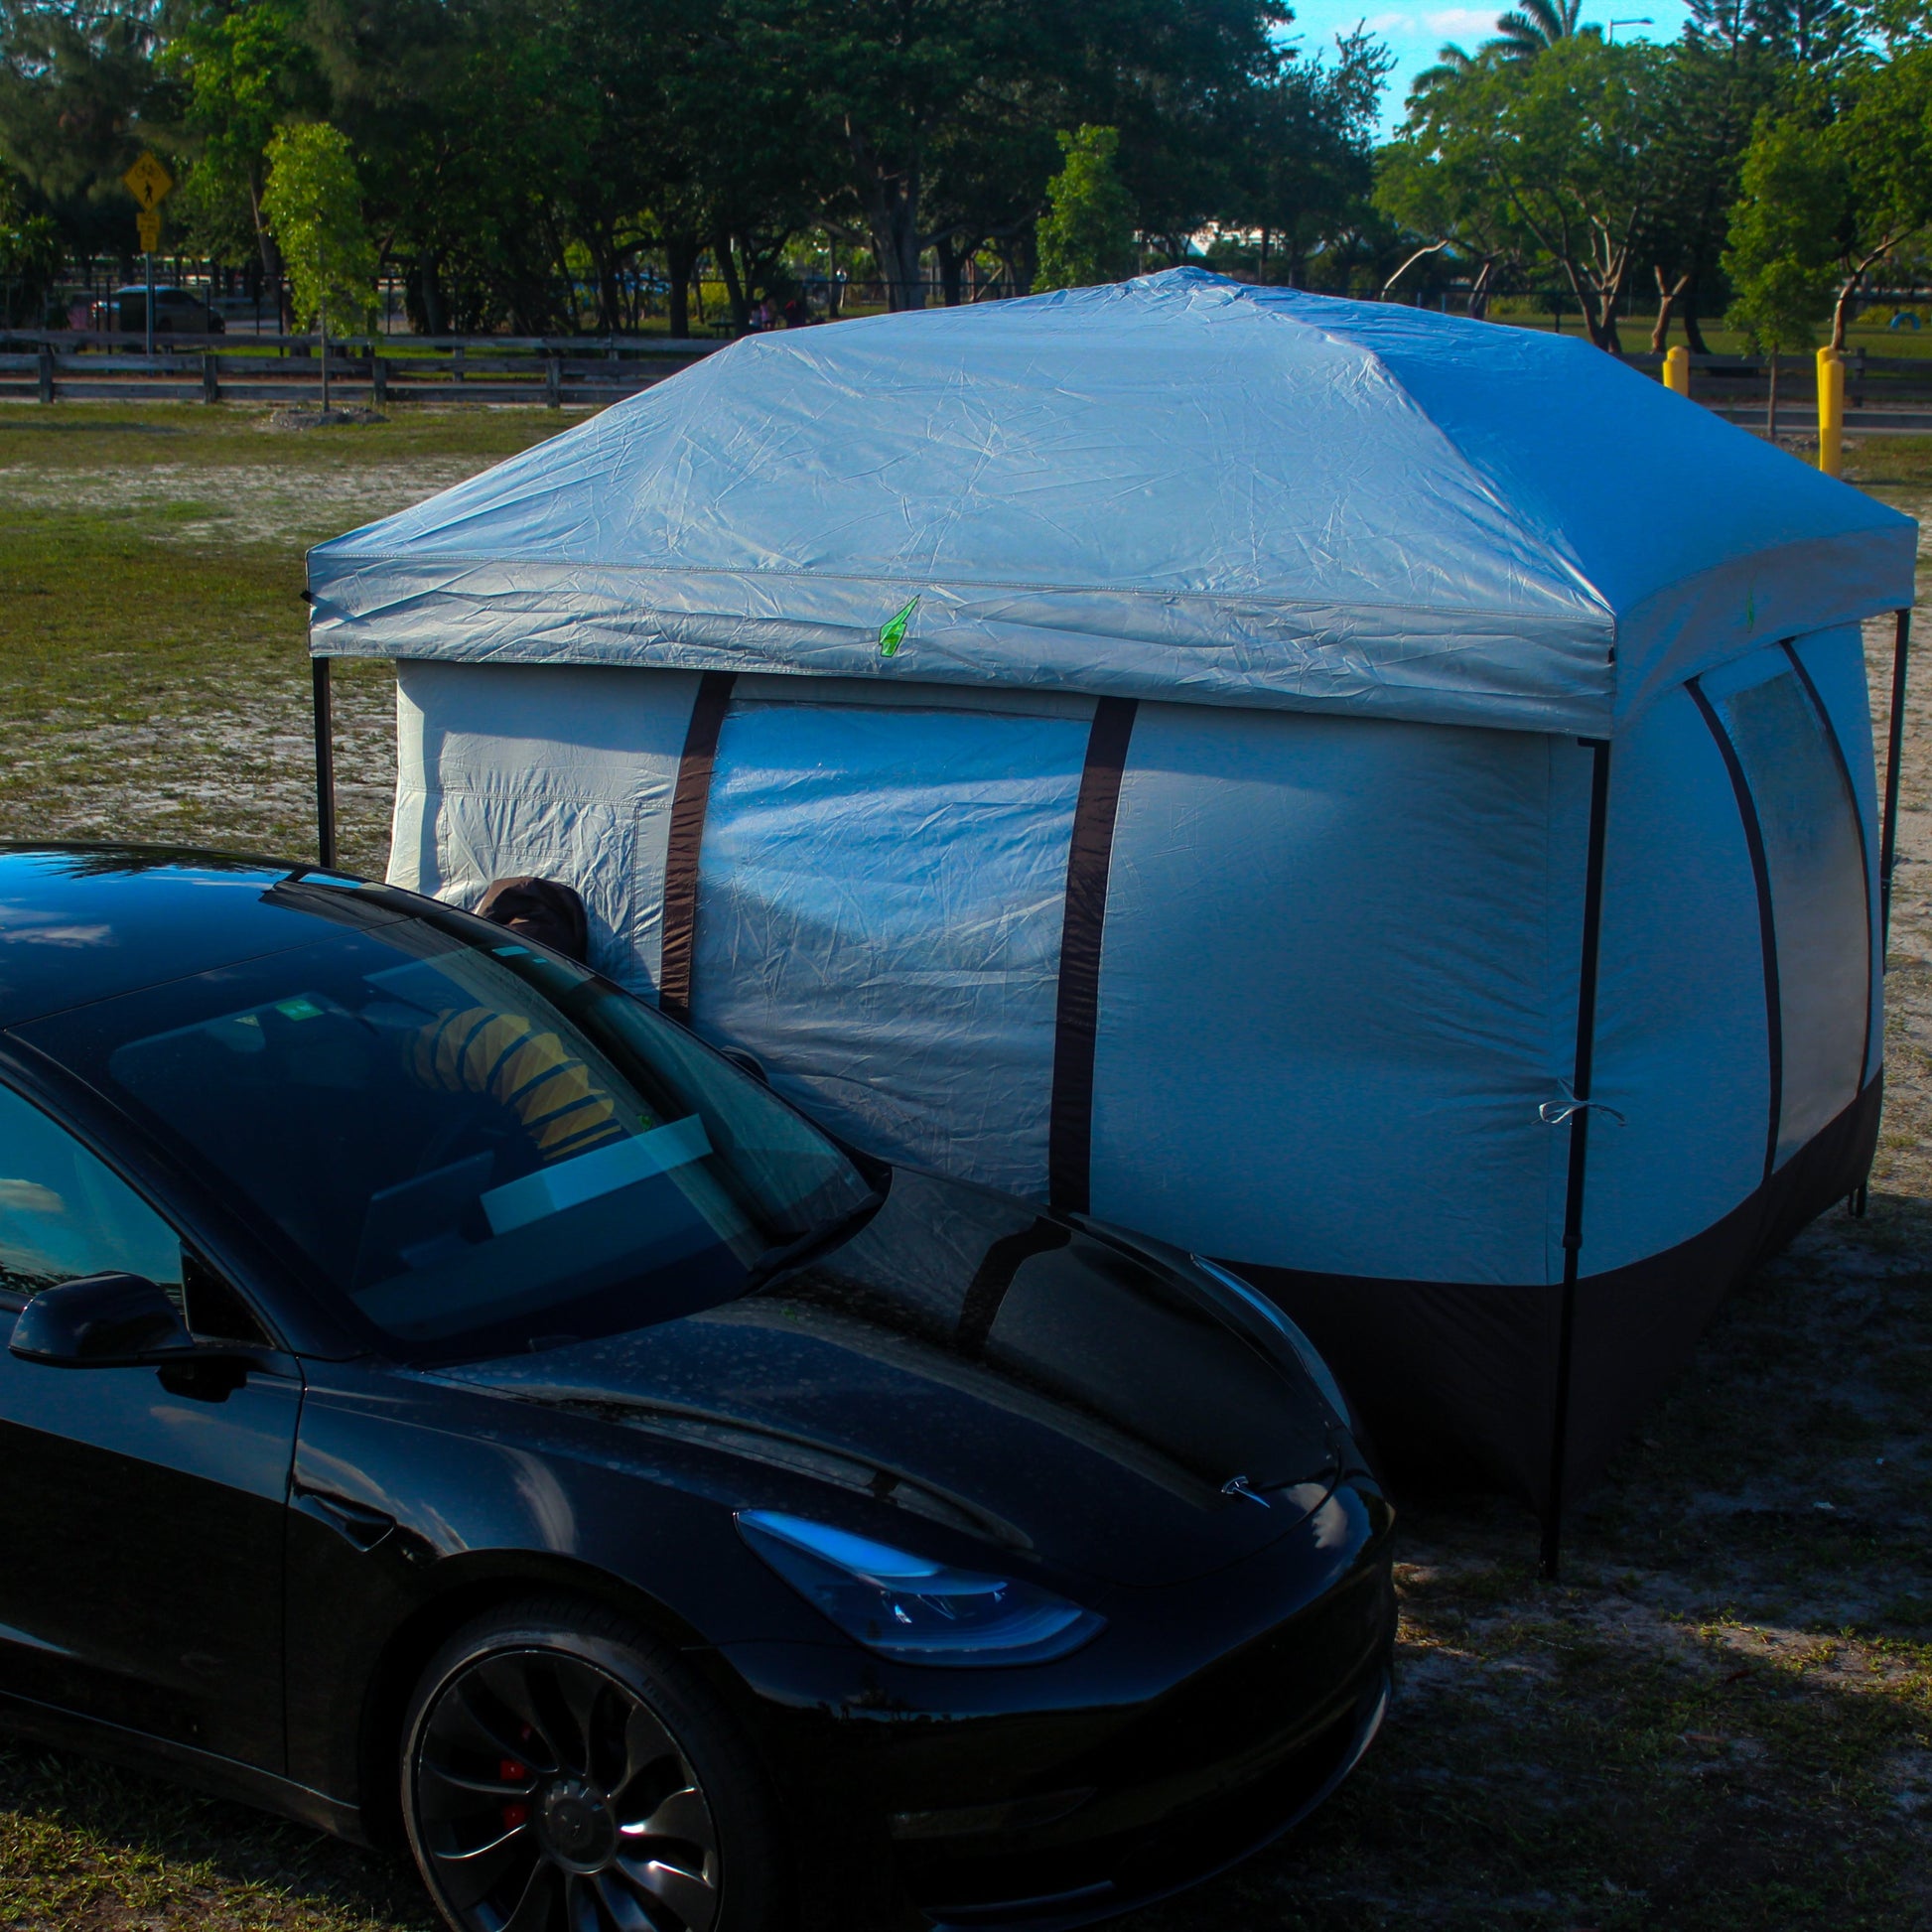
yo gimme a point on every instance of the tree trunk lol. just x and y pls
(1479, 291)
(952, 270)
(892, 204)
(680, 259)
(1693, 327)
(721, 252)
(435, 319)
(1841, 310)
(1264, 254)
(610, 298)
(1666, 304)
(1603, 325)
(1771, 406)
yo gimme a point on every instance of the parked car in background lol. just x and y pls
(177, 312)
(448, 1402)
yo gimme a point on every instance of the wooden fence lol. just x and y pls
(1876, 384)
(63, 365)
(1882, 392)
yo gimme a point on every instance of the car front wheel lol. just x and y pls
(560, 1772)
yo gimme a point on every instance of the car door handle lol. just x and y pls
(356, 1523)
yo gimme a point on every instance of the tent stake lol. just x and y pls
(1572, 1211)
(325, 761)
(1894, 754)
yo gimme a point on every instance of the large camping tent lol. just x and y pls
(1245, 765)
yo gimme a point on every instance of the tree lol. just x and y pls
(1086, 236)
(1305, 167)
(1552, 159)
(78, 99)
(245, 69)
(313, 203)
(919, 92)
(30, 255)
(1719, 77)
(1528, 30)
(1828, 191)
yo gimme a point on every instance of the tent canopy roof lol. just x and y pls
(1178, 488)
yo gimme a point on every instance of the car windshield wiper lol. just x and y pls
(789, 1254)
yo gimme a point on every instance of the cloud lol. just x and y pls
(29, 1198)
(57, 935)
(1446, 23)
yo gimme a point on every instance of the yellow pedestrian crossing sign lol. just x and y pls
(149, 183)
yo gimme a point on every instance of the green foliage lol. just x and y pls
(1524, 32)
(1086, 236)
(1779, 258)
(1829, 191)
(1552, 163)
(79, 97)
(30, 256)
(312, 204)
(244, 68)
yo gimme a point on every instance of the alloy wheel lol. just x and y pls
(551, 1798)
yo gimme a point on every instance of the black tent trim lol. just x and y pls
(1583, 1071)
(690, 800)
(1076, 1019)
(323, 701)
(1766, 927)
(1894, 760)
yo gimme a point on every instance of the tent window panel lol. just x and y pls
(1813, 859)
(1834, 660)
(562, 770)
(1328, 1006)
(881, 895)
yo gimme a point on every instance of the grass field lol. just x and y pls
(1719, 1721)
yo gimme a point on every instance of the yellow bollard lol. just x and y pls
(1677, 370)
(1831, 412)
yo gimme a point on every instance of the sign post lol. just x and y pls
(150, 184)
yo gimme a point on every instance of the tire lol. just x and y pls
(562, 1771)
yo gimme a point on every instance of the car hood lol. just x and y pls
(1001, 1370)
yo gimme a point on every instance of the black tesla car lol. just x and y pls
(448, 1402)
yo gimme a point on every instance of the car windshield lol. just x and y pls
(480, 1146)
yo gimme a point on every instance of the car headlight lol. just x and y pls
(1305, 1352)
(912, 1608)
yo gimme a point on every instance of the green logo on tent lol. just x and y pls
(892, 634)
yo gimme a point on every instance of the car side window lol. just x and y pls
(65, 1215)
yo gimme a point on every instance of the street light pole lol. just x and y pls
(1635, 20)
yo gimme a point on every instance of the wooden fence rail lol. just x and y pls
(59, 365)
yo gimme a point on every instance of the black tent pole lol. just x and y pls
(1573, 1210)
(1894, 754)
(325, 763)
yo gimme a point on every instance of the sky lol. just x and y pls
(1414, 29)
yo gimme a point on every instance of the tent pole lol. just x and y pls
(1580, 1085)
(1894, 754)
(325, 761)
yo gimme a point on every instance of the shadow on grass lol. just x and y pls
(1721, 1720)
(86, 1845)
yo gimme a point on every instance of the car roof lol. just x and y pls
(141, 289)
(84, 922)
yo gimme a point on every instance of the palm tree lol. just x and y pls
(1450, 61)
(1526, 30)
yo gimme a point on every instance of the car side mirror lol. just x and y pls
(101, 1322)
